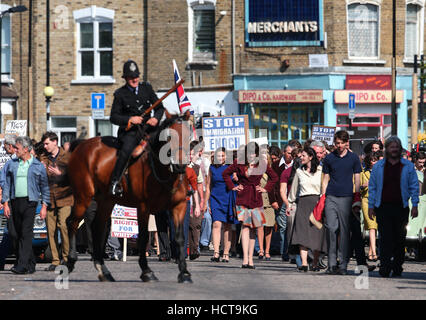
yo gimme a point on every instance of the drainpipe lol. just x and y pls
(233, 37)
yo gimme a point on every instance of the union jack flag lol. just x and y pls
(181, 96)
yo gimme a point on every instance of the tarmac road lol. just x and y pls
(271, 280)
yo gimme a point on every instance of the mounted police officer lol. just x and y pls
(130, 101)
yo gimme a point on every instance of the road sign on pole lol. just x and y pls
(98, 101)
(351, 106)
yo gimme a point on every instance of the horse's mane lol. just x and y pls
(165, 124)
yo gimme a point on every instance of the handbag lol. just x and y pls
(316, 215)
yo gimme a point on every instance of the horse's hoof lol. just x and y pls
(148, 277)
(106, 277)
(184, 278)
(70, 266)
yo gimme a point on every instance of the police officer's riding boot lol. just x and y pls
(116, 189)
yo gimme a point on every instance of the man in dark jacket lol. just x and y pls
(130, 101)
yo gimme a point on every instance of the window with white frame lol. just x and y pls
(201, 30)
(363, 30)
(414, 25)
(94, 33)
(6, 45)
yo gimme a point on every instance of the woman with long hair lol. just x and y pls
(221, 205)
(249, 202)
(264, 234)
(369, 224)
(308, 181)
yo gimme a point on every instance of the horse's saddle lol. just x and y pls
(113, 142)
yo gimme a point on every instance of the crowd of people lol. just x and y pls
(237, 199)
(243, 200)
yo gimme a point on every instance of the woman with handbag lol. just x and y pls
(307, 236)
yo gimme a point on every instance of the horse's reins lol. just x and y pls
(151, 154)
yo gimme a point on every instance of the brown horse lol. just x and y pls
(152, 187)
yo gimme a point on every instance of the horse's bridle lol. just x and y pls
(173, 168)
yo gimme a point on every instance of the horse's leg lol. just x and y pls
(77, 214)
(99, 231)
(178, 216)
(147, 274)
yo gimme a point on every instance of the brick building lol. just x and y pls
(223, 49)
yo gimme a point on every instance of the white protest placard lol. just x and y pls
(124, 224)
(323, 133)
(124, 228)
(18, 127)
(4, 157)
(229, 132)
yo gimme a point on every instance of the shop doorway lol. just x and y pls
(366, 128)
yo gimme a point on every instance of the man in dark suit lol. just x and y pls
(130, 101)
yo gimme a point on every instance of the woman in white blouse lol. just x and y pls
(308, 182)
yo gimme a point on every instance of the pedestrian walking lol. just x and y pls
(392, 183)
(264, 233)
(9, 236)
(249, 204)
(61, 197)
(195, 220)
(341, 170)
(369, 224)
(285, 162)
(307, 181)
(221, 205)
(26, 183)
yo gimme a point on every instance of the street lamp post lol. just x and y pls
(48, 93)
(2, 14)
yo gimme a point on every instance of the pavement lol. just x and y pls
(271, 280)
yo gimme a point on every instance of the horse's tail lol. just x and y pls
(75, 143)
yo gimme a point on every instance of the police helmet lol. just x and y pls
(130, 69)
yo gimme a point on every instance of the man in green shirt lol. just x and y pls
(25, 184)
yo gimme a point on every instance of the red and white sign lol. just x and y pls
(124, 212)
(124, 228)
(368, 96)
(369, 82)
(280, 96)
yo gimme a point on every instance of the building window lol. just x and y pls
(94, 31)
(284, 122)
(414, 30)
(363, 30)
(65, 128)
(6, 46)
(201, 30)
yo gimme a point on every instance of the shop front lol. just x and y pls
(282, 115)
(372, 117)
